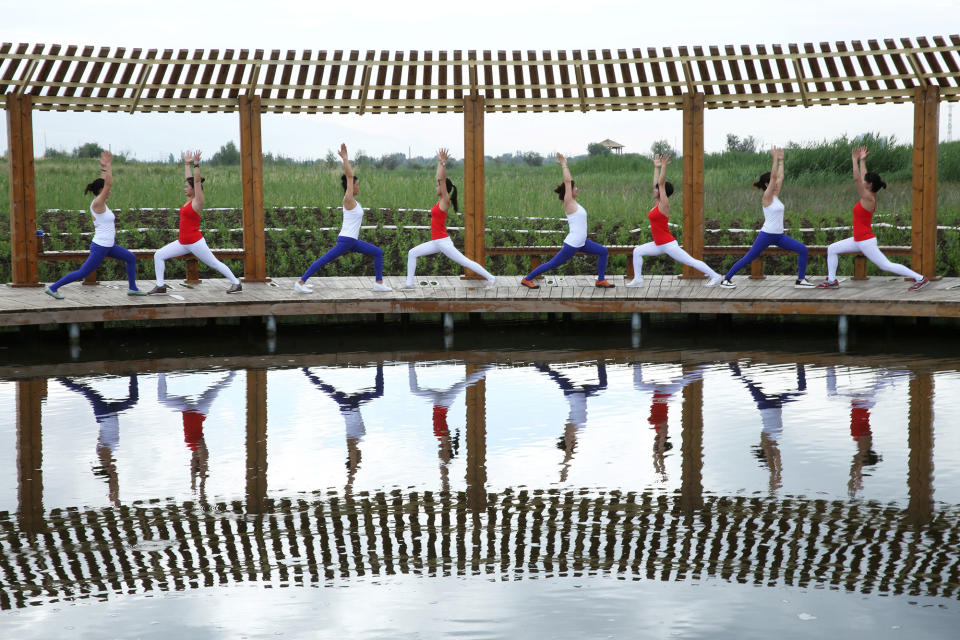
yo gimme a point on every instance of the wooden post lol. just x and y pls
(693, 195)
(691, 450)
(30, 393)
(920, 441)
(926, 131)
(476, 443)
(251, 167)
(474, 214)
(256, 439)
(23, 201)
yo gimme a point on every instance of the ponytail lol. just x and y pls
(452, 192)
(94, 187)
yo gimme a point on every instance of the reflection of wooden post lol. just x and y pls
(920, 466)
(691, 481)
(30, 393)
(251, 169)
(256, 439)
(693, 198)
(926, 124)
(23, 201)
(476, 443)
(474, 214)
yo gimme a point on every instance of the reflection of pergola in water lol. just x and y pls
(154, 545)
(62, 78)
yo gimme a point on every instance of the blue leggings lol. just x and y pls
(345, 244)
(97, 255)
(566, 252)
(765, 240)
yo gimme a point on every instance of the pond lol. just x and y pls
(551, 492)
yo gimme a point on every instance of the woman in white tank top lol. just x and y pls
(103, 245)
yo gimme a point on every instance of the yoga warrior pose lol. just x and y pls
(189, 239)
(576, 240)
(863, 240)
(349, 237)
(771, 234)
(106, 414)
(663, 240)
(440, 241)
(103, 245)
(350, 404)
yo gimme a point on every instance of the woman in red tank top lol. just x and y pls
(863, 240)
(189, 239)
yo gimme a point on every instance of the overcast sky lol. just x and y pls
(491, 24)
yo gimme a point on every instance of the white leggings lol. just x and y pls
(673, 250)
(199, 249)
(872, 252)
(444, 246)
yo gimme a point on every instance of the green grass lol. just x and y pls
(615, 190)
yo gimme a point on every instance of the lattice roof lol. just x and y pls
(88, 78)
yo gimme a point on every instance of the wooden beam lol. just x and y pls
(920, 442)
(251, 168)
(30, 394)
(256, 439)
(693, 192)
(476, 443)
(926, 126)
(474, 213)
(691, 449)
(23, 202)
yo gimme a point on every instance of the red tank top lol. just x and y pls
(861, 223)
(658, 227)
(189, 225)
(659, 410)
(440, 428)
(859, 422)
(193, 428)
(438, 223)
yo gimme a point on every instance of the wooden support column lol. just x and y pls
(926, 133)
(30, 394)
(693, 198)
(476, 443)
(251, 167)
(256, 439)
(920, 441)
(23, 201)
(691, 450)
(474, 214)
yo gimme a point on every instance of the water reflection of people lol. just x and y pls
(576, 396)
(106, 413)
(354, 427)
(770, 406)
(659, 410)
(862, 399)
(194, 413)
(447, 446)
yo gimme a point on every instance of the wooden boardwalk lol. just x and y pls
(878, 296)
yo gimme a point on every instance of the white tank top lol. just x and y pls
(351, 222)
(577, 237)
(104, 230)
(773, 217)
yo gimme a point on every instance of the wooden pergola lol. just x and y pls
(924, 71)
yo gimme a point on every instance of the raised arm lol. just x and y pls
(660, 163)
(349, 201)
(441, 176)
(859, 159)
(776, 176)
(569, 205)
(193, 158)
(106, 172)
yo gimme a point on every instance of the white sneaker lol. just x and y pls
(636, 282)
(803, 283)
(379, 286)
(727, 283)
(490, 284)
(302, 288)
(407, 285)
(714, 281)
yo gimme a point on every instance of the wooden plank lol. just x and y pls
(848, 67)
(931, 132)
(504, 78)
(286, 74)
(882, 65)
(676, 87)
(518, 80)
(900, 63)
(549, 79)
(693, 186)
(23, 202)
(581, 82)
(396, 80)
(534, 70)
(233, 93)
(458, 74)
(351, 76)
(333, 80)
(565, 83)
(474, 180)
(931, 58)
(12, 65)
(425, 93)
(159, 70)
(410, 94)
(317, 82)
(610, 76)
(43, 73)
(784, 73)
(251, 158)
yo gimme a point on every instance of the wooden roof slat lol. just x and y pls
(718, 70)
(675, 84)
(749, 64)
(350, 78)
(142, 78)
(189, 80)
(410, 94)
(442, 73)
(487, 74)
(222, 76)
(395, 80)
(784, 73)
(365, 81)
(770, 79)
(610, 75)
(866, 68)
(592, 77)
(518, 79)
(503, 77)
(48, 65)
(174, 77)
(831, 65)
(78, 68)
(735, 71)
(535, 93)
(332, 78)
(316, 83)
(915, 64)
(882, 66)
(425, 94)
(12, 64)
(799, 74)
(641, 74)
(580, 79)
(626, 77)
(931, 58)
(949, 59)
(849, 69)
(657, 74)
(381, 81)
(565, 77)
(94, 75)
(458, 76)
(285, 75)
(302, 76)
(902, 66)
(703, 69)
(549, 78)
(233, 93)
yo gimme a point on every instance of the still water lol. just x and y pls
(549, 493)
